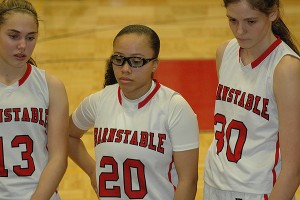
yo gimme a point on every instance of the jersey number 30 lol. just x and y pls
(232, 156)
(26, 156)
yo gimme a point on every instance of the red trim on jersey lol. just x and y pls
(266, 53)
(119, 95)
(269, 50)
(26, 75)
(169, 173)
(276, 161)
(266, 197)
(146, 100)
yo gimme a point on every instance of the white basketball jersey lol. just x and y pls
(135, 140)
(23, 134)
(244, 155)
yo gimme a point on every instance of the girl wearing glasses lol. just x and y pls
(145, 134)
(255, 152)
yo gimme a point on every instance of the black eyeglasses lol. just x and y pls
(134, 62)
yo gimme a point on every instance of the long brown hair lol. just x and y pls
(23, 6)
(278, 27)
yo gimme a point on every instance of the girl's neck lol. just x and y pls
(251, 54)
(138, 93)
(11, 74)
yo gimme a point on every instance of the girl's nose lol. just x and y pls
(240, 29)
(22, 44)
(126, 67)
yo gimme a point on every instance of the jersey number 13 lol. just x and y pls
(25, 155)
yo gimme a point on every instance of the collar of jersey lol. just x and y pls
(145, 100)
(20, 81)
(269, 50)
(26, 75)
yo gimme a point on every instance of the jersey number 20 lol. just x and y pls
(26, 155)
(113, 175)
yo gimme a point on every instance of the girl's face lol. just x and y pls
(134, 82)
(18, 36)
(250, 26)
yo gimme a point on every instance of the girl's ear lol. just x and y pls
(155, 65)
(274, 15)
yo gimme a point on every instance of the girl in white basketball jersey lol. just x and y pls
(33, 112)
(145, 134)
(255, 152)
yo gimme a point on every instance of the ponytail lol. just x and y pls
(279, 28)
(110, 78)
(31, 61)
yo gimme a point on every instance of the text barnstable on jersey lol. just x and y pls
(137, 138)
(244, 100)
(35, 115)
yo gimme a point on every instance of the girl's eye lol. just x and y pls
(136, 60)
(13, 37)
(232, 20)
(119, 59)
(30, 38)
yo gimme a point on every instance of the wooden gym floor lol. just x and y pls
(76, 36)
